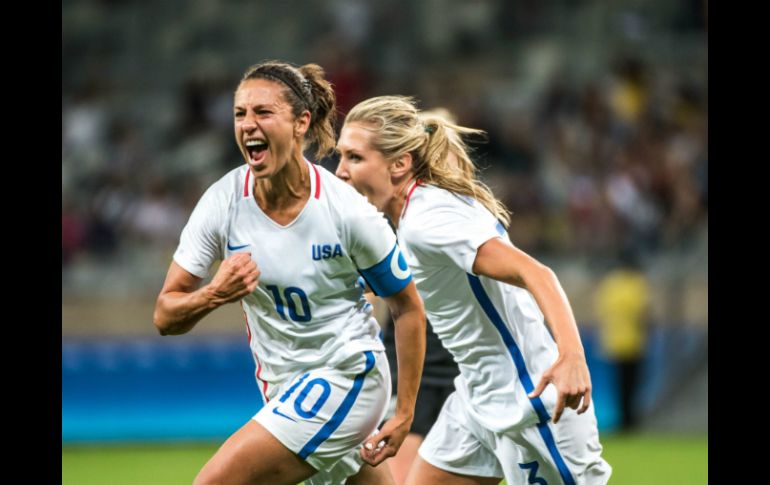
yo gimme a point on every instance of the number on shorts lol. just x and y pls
(532, 467)
(326, 390)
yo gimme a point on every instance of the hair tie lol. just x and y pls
(430, 129)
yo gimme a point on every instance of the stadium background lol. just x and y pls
(597, 114)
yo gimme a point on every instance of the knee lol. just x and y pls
(210, 475)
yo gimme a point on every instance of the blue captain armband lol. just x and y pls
(390, 275)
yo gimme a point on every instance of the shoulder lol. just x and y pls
(429, 198)
(435, 218)
(431, 206)
(231, 186)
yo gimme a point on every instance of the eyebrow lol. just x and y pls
(272, 106)
(347, 151)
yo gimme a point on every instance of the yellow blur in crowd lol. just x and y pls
(622, 300)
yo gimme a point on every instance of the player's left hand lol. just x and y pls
(569, 374)
(386, 442)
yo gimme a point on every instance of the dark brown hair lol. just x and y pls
(307, 89)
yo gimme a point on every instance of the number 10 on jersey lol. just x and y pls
(291, 295)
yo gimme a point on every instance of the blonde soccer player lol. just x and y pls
(522, 407)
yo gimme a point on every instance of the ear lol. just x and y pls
(401, 167)
(302, 124)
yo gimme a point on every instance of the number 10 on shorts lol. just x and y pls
(299, 401)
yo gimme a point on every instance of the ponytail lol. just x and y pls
(440, 157)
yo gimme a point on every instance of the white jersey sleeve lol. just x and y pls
(200, 244)
(452, 231)
(372, 245)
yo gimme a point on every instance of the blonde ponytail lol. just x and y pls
(440, 157)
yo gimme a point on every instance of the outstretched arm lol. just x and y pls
(569, 374)
(182, 302)
(408, 315)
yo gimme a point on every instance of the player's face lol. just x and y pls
(363, 167)
(265, 128)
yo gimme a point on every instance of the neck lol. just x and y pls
(395, 205)
(283, 189)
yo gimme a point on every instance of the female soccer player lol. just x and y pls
(487, 302)
(293, 239)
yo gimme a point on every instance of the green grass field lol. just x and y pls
(636, 460)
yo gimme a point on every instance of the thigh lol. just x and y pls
(400, 463)
(369, 475)
(423, 472)
(253, 455)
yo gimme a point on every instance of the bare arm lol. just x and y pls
(409, 320)
(182, 302)
(569, 374)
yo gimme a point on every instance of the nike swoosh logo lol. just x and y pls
(279, 413)
(235, 248)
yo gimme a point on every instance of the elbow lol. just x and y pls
(423, 317)
(413, 313)
(548, 280)
(544, 273)
(548, 272)
(420, 318)
(162, 324)
(408, 306)
(535, 275)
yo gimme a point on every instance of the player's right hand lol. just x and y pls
(237, 277)
(385, 443)
(570, 375)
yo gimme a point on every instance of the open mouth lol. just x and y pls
(256, 149)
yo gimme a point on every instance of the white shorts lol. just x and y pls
(567, 452)
(325, 414)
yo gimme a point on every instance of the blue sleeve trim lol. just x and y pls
(390, 275)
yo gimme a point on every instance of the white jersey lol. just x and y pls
(495, 331)
(307, 310)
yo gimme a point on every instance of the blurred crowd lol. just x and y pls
(596, 147)
(608, 166)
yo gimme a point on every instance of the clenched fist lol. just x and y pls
(237, 277)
